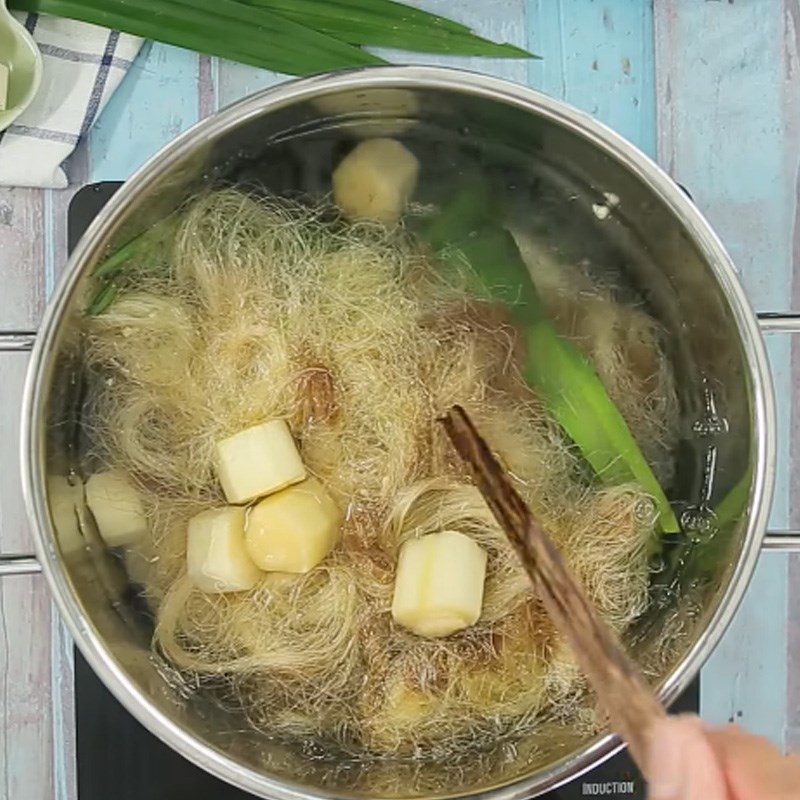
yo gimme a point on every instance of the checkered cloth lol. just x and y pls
(83, 65)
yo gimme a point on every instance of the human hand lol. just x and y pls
(691, 761)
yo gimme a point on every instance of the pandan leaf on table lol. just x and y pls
(384, 23)
(296, 37)
(224, 28)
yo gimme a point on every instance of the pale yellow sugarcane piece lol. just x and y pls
(3, 86)
(258, 461)
(216, 558)
(293, 530)
(438, 587)
(376, 180)
(116, 507)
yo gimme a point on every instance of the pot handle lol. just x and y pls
(787, 541)
(17, 564)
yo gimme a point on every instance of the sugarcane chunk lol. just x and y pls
(116, 507)
(293, 530)
(216, 558)
(4, 73)
(438, 587)
(258, 461)
(375, 181)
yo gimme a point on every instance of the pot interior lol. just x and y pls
(582, 204)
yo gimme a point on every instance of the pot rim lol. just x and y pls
(414, 77)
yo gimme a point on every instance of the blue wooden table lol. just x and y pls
(709, 89)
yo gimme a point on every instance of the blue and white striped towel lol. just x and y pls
(83, 65)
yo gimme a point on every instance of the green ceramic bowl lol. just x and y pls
(20, 54)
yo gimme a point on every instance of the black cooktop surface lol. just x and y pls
(119, 758)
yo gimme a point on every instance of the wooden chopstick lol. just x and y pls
(630, 704)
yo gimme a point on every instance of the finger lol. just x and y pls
(755, 768)
(682, 765)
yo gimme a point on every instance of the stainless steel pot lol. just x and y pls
(671, 255)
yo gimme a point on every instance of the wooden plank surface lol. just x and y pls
(791, 118)
(597, 55)
(727, 130)
(26, 735)
(21, 255)
(501, 20)
(157, 100)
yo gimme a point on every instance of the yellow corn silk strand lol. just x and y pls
(351, 333)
